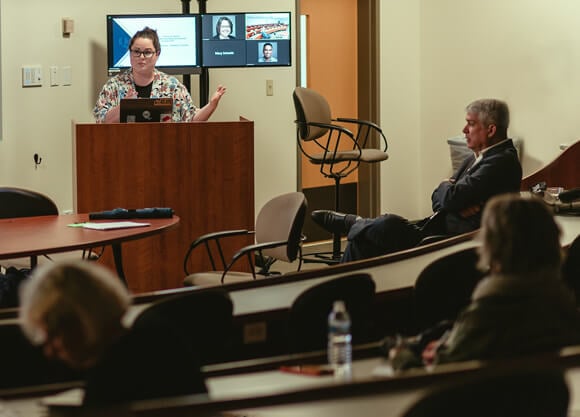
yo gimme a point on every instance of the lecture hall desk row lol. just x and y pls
(373, 390)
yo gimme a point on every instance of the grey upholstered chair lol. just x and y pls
(337, 150)
(278, 236)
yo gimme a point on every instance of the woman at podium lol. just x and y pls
(144, 80)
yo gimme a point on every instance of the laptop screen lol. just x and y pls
(136, 110)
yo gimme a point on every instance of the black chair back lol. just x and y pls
(571, 268)
(308, 321)
(18, 202)
(203, 318)
(531, 393)
(444, 287)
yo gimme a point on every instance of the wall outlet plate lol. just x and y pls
(32, 76)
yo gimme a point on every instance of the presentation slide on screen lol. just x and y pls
(223, 40)
(177, 36)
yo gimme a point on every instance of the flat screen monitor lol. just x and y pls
(178, 36)
(246, 39)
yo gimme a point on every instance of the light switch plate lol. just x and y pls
(269, 87)
(32, 76)
(53, 75)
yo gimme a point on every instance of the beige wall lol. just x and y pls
(526, 52)
(38, 120)
(436, 56)
(400, 101)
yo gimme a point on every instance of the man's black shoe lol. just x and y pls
(333, 221)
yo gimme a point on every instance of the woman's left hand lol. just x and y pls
(219, 92)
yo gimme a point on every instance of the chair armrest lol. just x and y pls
(328, 149)
(370, 126)
(216, 237)
(359, 122)
(247, 251)
(333, 127)
(432, 239)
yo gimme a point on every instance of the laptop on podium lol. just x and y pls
(137, 110)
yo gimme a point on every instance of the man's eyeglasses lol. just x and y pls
(148, 53)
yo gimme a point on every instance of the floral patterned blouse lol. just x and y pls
(164, 85)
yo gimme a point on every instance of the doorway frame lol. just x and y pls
(368, 63)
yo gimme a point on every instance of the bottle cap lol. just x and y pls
(339, 306)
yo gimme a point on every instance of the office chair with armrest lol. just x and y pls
(278, 236)
(337, 150)
(308, 319)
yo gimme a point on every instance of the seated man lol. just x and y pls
(75, 311)
(457, 202)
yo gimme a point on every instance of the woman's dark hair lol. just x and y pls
(219, 23)
(147, 33)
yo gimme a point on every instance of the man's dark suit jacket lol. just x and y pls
(499, 171)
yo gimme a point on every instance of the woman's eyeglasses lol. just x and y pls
(148, 53)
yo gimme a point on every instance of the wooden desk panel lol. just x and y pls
(563, 171)
(204, 171)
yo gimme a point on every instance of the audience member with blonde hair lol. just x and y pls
(75, 311)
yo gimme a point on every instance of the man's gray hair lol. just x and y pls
(491, 111)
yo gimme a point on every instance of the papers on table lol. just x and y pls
(109, 225)
(72, 397)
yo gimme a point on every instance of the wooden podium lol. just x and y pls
(204, 171)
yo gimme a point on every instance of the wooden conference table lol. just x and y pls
(43, 235)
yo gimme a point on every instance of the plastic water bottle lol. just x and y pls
(339, 340)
